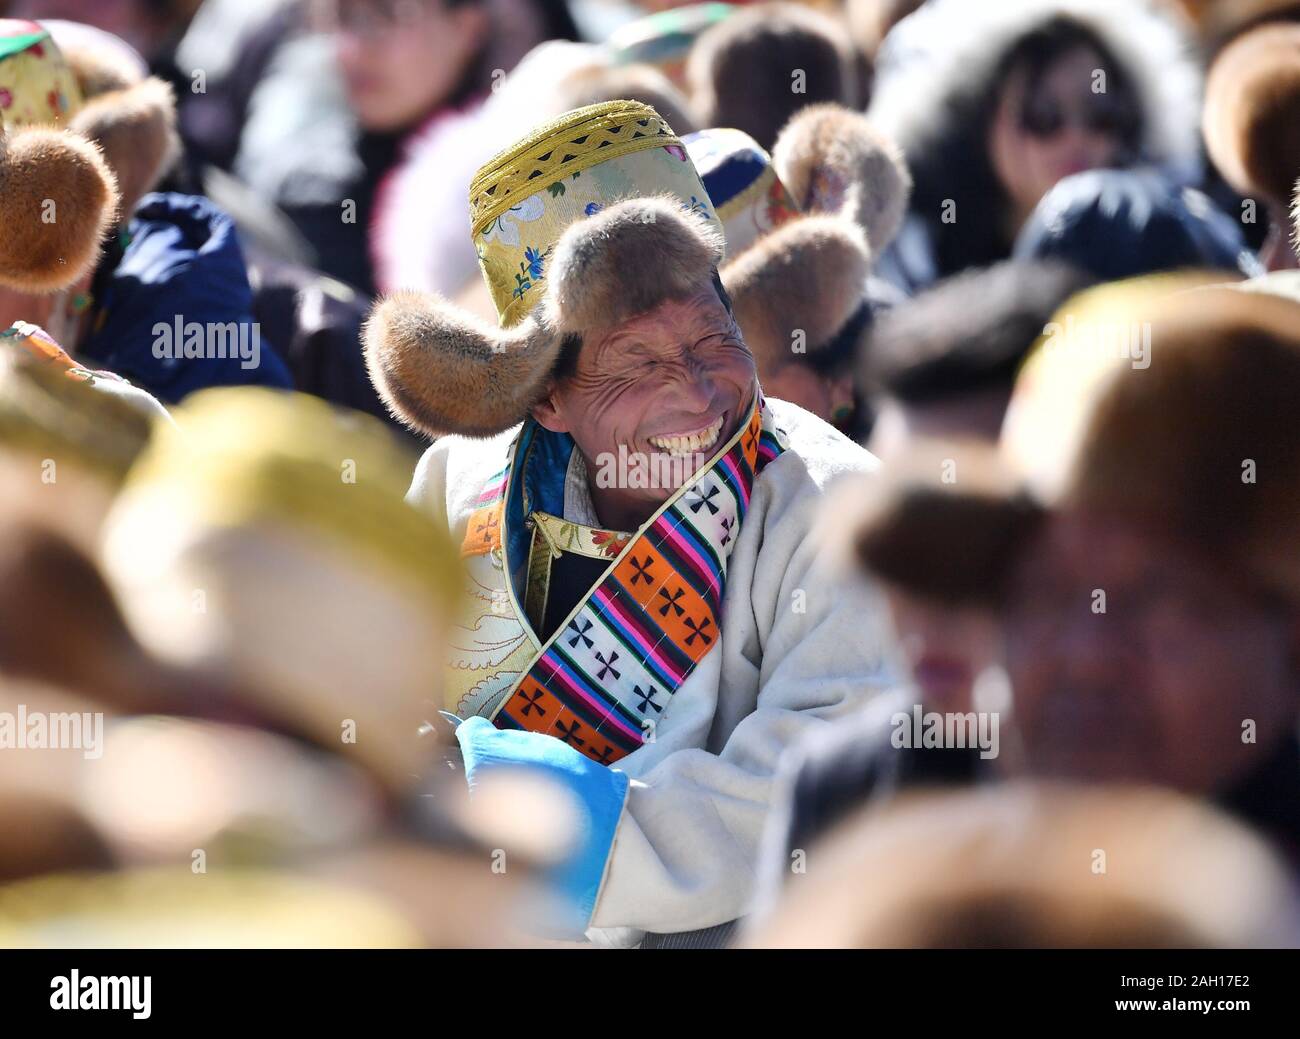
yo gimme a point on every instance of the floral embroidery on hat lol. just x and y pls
(505, 229)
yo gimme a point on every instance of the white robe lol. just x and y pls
(803, 641)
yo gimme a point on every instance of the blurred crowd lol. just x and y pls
(997, 306)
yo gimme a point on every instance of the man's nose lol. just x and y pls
(694, 389)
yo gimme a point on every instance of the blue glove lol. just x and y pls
(600, 790)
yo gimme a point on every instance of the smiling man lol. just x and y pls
(653, 642)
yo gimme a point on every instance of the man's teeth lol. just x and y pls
(690, 443)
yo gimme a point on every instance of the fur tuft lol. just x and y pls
(1252, 107)
(808, 276)
(832, 160)
(625, 260)
(136, 129)
(58, 199)
(440, 370)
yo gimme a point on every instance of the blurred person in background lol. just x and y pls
(1117, 224)
(171, 261)
(802, 228)
(992, 105)
(1138, 562)
(414, 74)
(761, 65)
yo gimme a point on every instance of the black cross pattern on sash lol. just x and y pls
(608, 665)
(569, 733)
(580, 633)
(647, 699)
(671, 603)
(642, 570)
(727, 521)
(532, 704)
(489, 525)
(702, 499)
(603, 758)
(690, 623)
(749, 439)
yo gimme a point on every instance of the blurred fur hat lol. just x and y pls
(1008, 867)
(87, 133)
(318, 587)
(592, 219)
(1165, 440)
(128, 113)
(1252, 113)
(809, 223)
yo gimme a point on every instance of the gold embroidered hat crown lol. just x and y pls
(523, 199)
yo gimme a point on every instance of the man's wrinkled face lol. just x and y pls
(667, 388)
(1132, 658)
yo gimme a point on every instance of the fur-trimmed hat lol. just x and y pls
(1252, 113)
(58, 199)
(803, 228)
(323, 590)
(84, 135)
(1160, 430)
(128, 113)
(997, 866)
(592, 219)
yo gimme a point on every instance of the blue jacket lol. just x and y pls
(174, 311)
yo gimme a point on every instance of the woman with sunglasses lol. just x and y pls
(994, 105)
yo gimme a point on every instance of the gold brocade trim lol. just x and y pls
(552, 536)
(574, 142)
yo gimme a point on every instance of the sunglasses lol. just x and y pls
(1044, 116)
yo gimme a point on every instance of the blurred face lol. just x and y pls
(1064, 123)
(401, 59)
(665, 390)
(830, 398)
(18, 306)
(1157, 687)
(946, 648)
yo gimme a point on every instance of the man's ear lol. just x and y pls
(549, 412)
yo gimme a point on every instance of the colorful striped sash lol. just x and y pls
(602, 681)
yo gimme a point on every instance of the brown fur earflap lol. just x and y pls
(1252, 110)
(832, 160)
(136, 129)
(58, 199)
(442, 370)
(797, 287)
